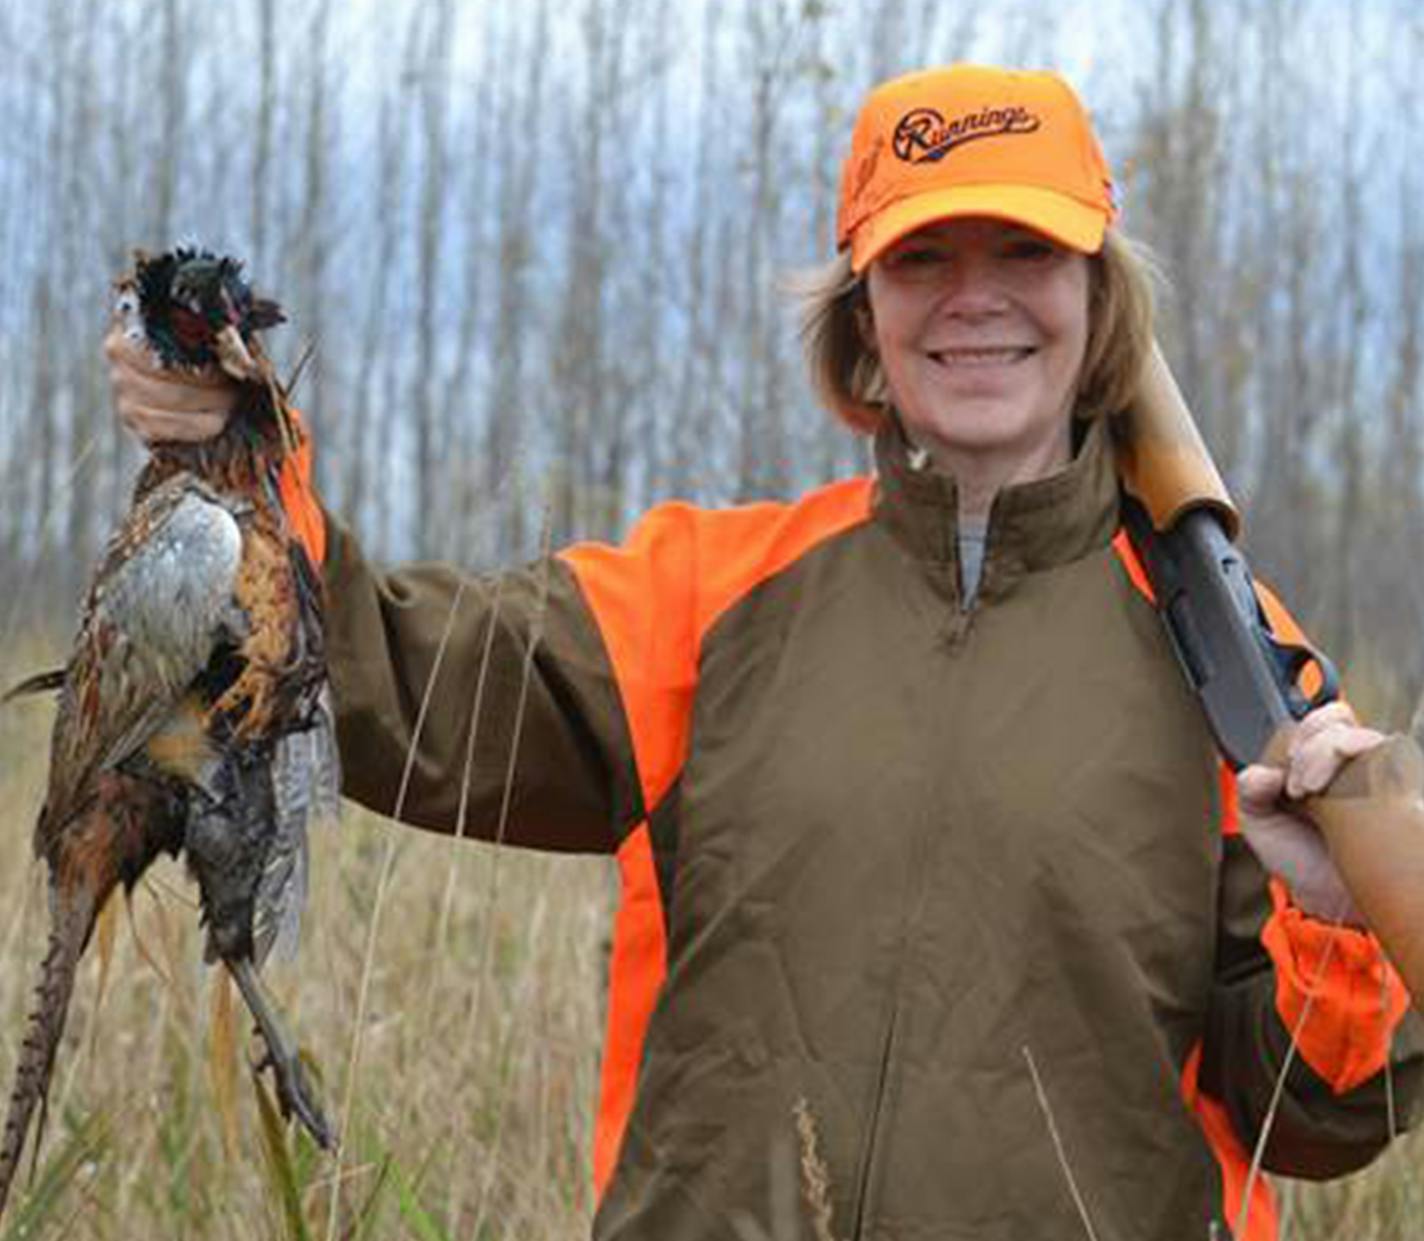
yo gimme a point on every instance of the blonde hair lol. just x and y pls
(847, 376)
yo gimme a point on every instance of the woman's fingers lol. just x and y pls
(1259, 788)
(172, 395)
(161, 404)
(1331, 715)
(155, 426)
(130, 356)
(1327, 738)
(1288, 844)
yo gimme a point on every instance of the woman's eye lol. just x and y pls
(916, 256)
(1030, 250)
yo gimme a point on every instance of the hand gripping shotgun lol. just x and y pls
(1183, 524)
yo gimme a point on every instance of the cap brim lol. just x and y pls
(1068, 221)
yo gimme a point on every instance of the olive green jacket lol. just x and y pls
(949, 898)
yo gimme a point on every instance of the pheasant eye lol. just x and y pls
(126, 304)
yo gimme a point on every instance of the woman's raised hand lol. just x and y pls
(159, 404)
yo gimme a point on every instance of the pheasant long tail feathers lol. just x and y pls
(72, 926)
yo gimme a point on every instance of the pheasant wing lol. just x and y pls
(158, 607)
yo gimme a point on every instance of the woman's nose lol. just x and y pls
(971, 287)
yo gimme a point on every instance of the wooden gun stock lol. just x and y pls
(1372, 817)
(1162, 457)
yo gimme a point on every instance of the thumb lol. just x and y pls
(1259, 788)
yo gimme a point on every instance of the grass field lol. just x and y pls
(461, 984)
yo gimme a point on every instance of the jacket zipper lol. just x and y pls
(862, 1188)
(961, 619)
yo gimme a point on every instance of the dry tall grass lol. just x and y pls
(472, 1104)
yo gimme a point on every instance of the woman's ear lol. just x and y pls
(865, 322)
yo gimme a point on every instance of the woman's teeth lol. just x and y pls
(980, 357)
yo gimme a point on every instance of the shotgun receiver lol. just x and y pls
(1184, 523)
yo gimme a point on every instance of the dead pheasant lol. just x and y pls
(193, 714)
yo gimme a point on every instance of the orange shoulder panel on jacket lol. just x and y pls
(655, 597)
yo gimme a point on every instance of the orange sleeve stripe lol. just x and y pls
(1232, 1158)
(1358, 999)
(637, 968)
(654, 600)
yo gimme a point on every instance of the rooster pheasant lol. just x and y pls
(193, 712)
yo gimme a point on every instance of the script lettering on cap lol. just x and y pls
(923, 136)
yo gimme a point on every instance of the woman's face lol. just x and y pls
(981, 327)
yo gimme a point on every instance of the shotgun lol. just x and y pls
(1184, 526)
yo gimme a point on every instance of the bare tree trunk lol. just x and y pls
(646, 396)
(698, 374)
(578, 339)
(459, 405)
(1349, 337)
(516, 237)
(262, 172)
(86, 403)
(44, 398)
(172, 77)
(374, 346)
(434, 107)
(50, 408)
(773, 31)
(827, 448)
(315, 236)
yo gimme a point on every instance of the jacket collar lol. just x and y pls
(1032, 526)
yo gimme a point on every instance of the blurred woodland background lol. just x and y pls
(540, 247)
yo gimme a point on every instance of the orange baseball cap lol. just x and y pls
(973, 140)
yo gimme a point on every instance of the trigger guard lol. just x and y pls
(1292, 661)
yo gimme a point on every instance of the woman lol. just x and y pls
(930, 868)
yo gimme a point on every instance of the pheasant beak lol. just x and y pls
(234, 357)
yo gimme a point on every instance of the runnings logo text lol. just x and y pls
(924, 136)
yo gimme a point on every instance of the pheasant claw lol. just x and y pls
(295, 1095)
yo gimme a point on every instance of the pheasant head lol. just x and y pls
(197, 309)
